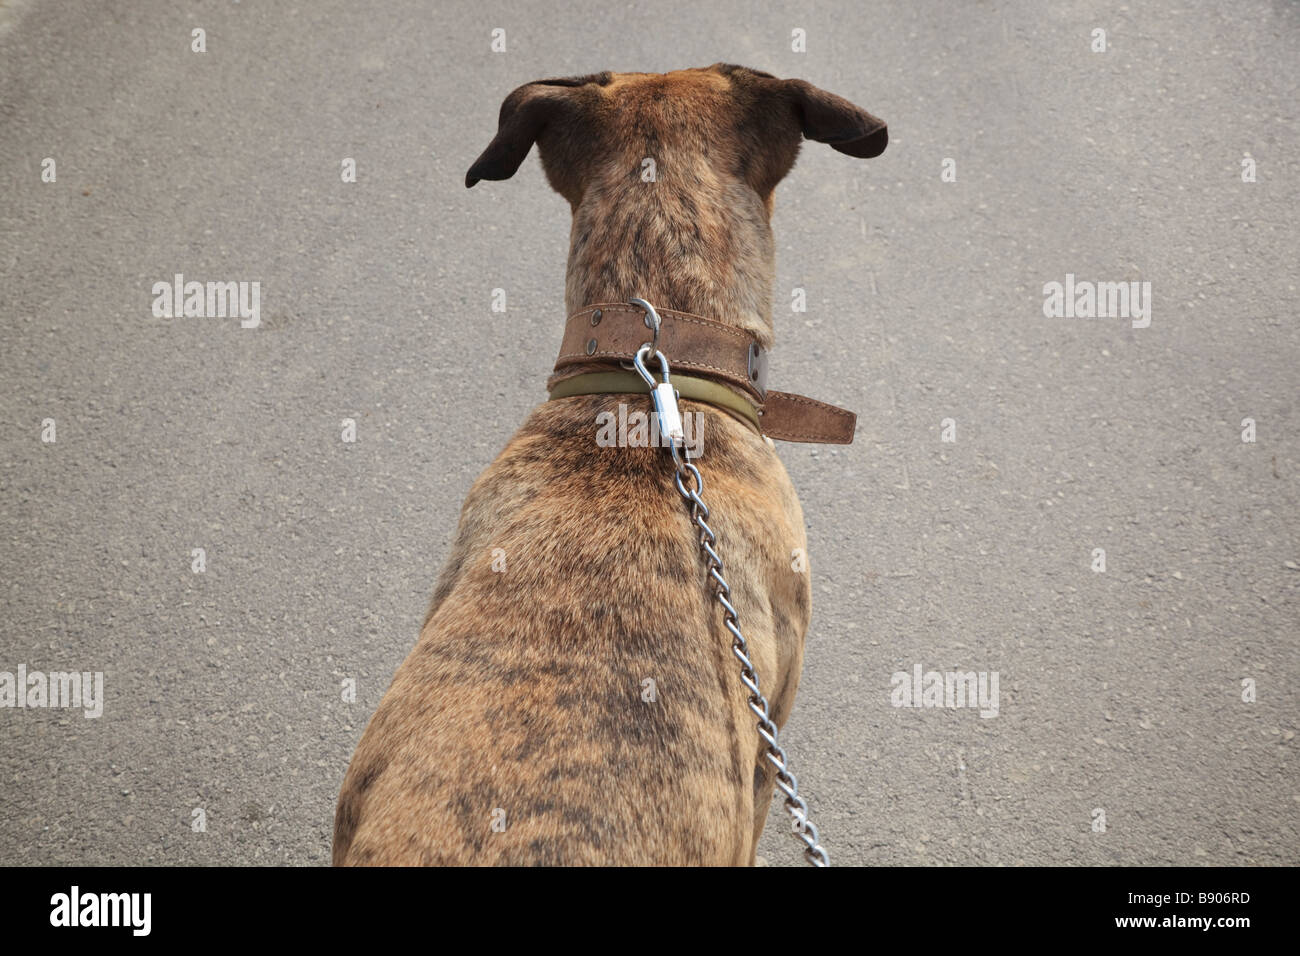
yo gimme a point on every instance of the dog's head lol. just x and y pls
(670, 177)
(722, 123)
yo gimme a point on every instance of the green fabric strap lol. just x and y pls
(688, 386)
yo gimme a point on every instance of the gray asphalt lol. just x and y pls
(1120, 691)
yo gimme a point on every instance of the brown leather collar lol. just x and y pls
(609, 334)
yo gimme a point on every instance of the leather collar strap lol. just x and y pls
(713, 363)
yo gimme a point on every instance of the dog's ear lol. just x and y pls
(833, 120)
(773, 104)
(525, 114)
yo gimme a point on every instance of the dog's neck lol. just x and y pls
(707, 251)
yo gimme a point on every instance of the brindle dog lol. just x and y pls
(519, 729)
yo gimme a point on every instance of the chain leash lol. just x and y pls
(690, 484)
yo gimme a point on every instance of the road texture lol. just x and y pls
(1146, 713)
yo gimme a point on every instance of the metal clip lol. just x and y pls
(663, 394)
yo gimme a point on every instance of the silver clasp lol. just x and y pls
(662, 393)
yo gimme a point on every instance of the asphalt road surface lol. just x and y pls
(1146, 713)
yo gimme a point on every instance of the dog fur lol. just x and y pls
(516, 732)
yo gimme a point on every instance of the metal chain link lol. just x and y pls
(804, 830)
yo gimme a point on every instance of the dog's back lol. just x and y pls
(523, 727)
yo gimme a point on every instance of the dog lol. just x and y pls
(573, 698)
